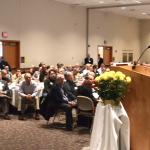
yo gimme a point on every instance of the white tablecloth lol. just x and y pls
(111, 129)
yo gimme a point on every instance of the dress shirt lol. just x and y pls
(26, 88)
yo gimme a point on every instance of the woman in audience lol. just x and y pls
(86, 88)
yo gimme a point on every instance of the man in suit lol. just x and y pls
(61, 101)
(88, 60)
(100, 61)
(70, 87)
(4, 97)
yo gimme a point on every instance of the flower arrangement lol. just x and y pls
(112, 85)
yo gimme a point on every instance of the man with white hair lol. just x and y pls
(60, 100)
(28, 92)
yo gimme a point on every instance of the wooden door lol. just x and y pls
(107, 54)
(11, 53)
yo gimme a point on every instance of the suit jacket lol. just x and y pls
(4, 63)
(88, 60)
(54, 98)
(57, 94)
(69, 88)
(100, 61)
(48, 84)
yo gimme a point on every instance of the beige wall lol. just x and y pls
(120, 32)
(49, 31)
(145, 39)
(54, 32)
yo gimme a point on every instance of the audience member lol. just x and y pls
(88, 60)
(70, 87)
(61, 101)
(4, 97)
(100, 61)
(102, 69)
(86, 88)
(17, 77)
(28, 93)
(6, 76)
(49, 82)
(4, 63)
(43, 73)
(88, 68)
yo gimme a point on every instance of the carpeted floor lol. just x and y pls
(37, 135)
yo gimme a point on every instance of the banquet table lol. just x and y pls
(111, 128)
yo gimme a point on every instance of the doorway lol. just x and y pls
(11, 53)
(106, 53)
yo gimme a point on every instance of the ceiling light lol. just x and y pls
(144, 13)
(138, 2)
(123, 8)
(120, 1)
(101, 2)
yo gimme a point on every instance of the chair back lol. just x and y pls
(85, 103)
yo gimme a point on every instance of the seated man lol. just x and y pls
(17, 77)
(6, 76)
(28, 92)
(4, 97)
(88, 60)
(70, 87)
(49, 81)
(61, 101)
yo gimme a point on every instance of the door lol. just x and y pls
(106, 53)
(11, 53)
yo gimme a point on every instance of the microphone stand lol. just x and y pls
(136, 62)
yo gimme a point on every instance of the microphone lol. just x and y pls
(136, 62)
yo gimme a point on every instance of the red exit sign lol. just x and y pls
(4, 34)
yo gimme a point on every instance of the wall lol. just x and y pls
(48, 31)
(145, 39)
(54, 32)
(120, 32)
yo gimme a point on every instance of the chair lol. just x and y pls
(58, 114)
(85, 107)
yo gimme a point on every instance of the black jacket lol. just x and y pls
(86, 91)
(88, 60)
(70, 90)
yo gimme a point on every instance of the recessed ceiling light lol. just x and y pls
(101, 2)
(123, 8)
(120, 1)
(144, 13)
(138, 2)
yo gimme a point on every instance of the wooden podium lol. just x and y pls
(137, 105)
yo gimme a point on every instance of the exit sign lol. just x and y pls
(4, 34)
